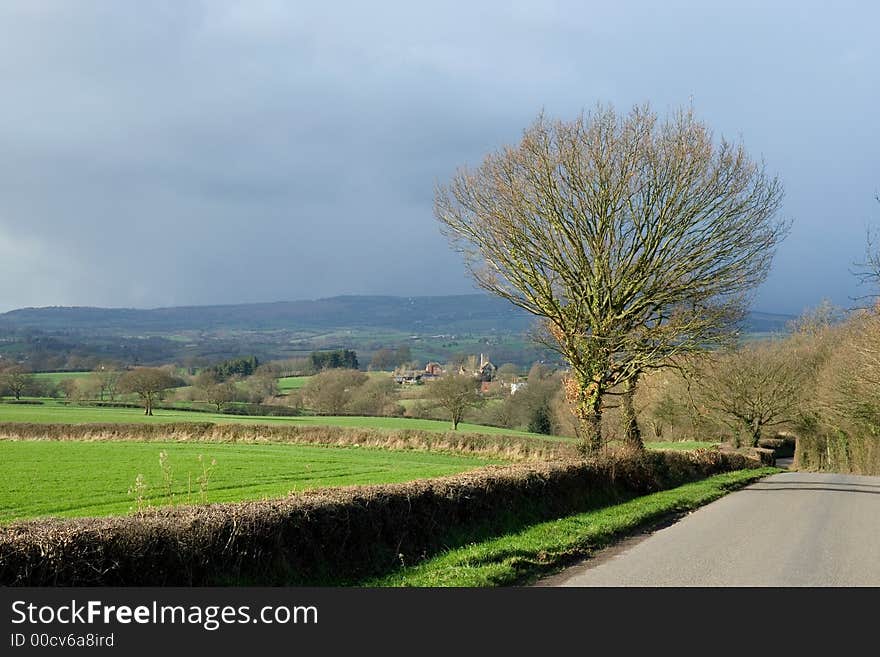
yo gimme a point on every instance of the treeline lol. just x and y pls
(336, 359)
(235, 367)
(819, 384)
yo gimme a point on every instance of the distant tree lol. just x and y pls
(403, 354)
(236, 367)
(377, 396)
(539, 372)
(88, 387)
(665, 415)
(296, 367)
(15, 380)
(149, 383)
(456, 393)
(106, 377)
(758, 386)
(330, 391)
(536, 398)
(507, 373)
(337, 359)
(541, 420)
(456, 361)
(218, 394)
(383, 359)
(206, 377)
(70, 389)
(262, 385)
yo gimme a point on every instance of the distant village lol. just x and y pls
(482, 369)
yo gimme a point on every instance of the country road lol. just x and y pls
(791, 529)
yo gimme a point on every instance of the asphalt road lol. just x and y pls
(791, 529)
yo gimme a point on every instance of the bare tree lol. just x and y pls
(758, 386)
(106, 378)
(330, 391)
(508, 373)
(148, 383)
(218, 394)
(70, 388)
(848, 391)
(262, 385)
(634, 241)
(456, 393)
(16, 379)
(377, 396)
(868, 271)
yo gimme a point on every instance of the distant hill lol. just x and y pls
(422, 315)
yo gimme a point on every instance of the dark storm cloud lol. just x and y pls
(155, 154)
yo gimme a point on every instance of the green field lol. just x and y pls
(58, 377)
(54, 413)
(288, 383)
(59, 413)
(42, 478)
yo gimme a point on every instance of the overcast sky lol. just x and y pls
(177, 153)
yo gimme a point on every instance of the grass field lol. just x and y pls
(54, 413)
(40, 478)
(288, 383)
(58, 377)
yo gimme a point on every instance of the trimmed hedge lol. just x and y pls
(783, 445)
(838, 451)
(332, 536)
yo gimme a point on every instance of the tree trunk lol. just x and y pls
(595, 435)
(756, 433)
(585, 396)
(632, 435)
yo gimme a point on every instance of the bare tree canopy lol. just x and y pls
(148, 382)
(760, 385)
(868, 271)
(635, 240)
(330, 391)
(456, 393)
(15, 380)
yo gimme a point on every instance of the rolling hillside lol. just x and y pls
(422, 315)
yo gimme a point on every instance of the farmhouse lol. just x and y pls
(408, 376)
(434, 369)
(485, 371)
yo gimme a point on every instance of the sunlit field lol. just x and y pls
(39, 478)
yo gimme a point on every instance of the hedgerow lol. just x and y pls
(332, 536)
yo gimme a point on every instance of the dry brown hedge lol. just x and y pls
(332, 535)
(837, 451)
(509, 447)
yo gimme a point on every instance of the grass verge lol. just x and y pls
(522, 556)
